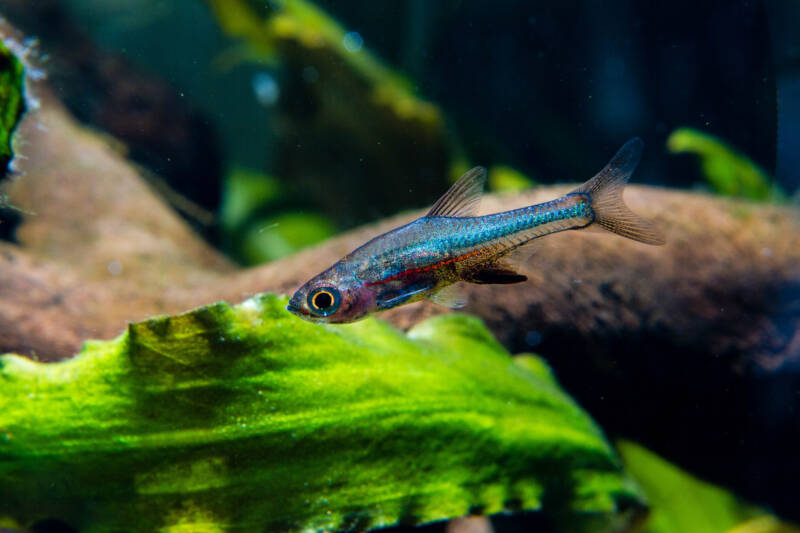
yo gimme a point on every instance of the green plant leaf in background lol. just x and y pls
(727, 171)
(681, 503)
(278, 236)
(506, 179)
(256, 237)
(246, 418)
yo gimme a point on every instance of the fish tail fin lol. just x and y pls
(605, 194)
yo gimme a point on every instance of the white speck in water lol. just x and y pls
(114, 268)
(310, 74)
(270, 226)
(353, 41)
(767, 252)
(266, 89)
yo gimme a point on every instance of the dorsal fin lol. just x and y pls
(463, 198)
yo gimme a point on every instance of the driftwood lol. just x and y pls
(692, 347)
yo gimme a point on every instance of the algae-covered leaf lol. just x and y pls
(727, 171)
(12, 102)
(247, 419)
(681, 503)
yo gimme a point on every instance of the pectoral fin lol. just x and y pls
(396, 296)
(451, 296)
(497, 274)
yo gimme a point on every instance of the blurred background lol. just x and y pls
(269, 141)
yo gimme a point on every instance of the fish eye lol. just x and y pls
(324, 301)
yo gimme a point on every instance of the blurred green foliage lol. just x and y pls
(681, 503)
(275, 237)
(259, 225)
(12, 102)
(244, 193)
(506, 179)
(354, 141)
(268, 26)
(726, 170)
(247, 418)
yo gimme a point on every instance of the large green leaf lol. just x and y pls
(246, 418)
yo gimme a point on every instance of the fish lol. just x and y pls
(427, 258)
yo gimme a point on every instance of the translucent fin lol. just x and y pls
(463, 198)
(605, 193)
(451, 296)
(396, 296)
(497, 274)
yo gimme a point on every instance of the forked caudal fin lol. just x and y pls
(605, 193)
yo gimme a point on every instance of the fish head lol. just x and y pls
(333, 297)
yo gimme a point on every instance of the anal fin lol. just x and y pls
(497, 274)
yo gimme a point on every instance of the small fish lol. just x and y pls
(424, 259)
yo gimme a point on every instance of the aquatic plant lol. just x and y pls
(681, 503)
(12, 102)
(503, 178)
(260, 225)
(244, 418)
(728, 171)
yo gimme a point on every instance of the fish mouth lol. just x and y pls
(305, 315)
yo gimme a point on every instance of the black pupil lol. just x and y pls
(323, 300)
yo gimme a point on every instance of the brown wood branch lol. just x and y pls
(103, 249)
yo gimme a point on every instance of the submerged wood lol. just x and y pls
(101, 249)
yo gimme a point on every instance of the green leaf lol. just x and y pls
(681, 503)
(507, 179)
(726, 170)
(246, 418)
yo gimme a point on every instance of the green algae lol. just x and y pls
(12, 102)
(246, 418)
(728, 171)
